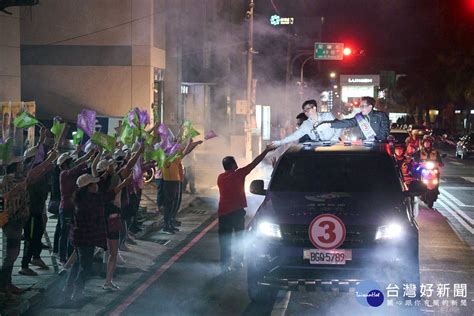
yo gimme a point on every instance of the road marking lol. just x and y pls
(139, 291)
(453, 198)
(456, 163)
(470, 179)
(458, 188)
(281, 303)
(457, 217)
(458, 210)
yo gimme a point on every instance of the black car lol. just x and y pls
(332, 216)
(465, 146)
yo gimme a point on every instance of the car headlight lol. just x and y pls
(269, 229)
(389, 232)
(430, 165)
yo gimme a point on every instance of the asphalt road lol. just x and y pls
(191, 283)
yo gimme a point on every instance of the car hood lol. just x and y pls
(352, 209)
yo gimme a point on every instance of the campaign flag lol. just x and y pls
(103, 140)
(210, 135)
(77, 136)
(25, 120)
(86, 121)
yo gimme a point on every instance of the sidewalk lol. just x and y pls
(138, 258)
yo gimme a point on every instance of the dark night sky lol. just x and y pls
(390, 31)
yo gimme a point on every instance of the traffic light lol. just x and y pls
(347, 51)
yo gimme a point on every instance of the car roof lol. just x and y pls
(339, 147)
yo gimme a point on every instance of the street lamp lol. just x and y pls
(302, 76)
(335, 86)
(332, 75)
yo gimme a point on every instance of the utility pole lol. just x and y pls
(250, 52)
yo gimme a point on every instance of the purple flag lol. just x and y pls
(210, 135)
(163, 131)
(133, 117)
(86, 121)
(173, 149)
(144, 117)
(166, 144)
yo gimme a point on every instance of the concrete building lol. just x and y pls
(106, 55)
(10, 73)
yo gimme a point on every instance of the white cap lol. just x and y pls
(103, 165)
(85, 180)
(63, 158)
(125, 148)
(119, 154)
(30, 152)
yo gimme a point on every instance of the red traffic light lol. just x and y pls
(347, 51)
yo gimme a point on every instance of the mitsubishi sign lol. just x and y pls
(357, 86)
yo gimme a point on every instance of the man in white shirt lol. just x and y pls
(310, 126)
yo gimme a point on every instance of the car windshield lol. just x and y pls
(330, 172)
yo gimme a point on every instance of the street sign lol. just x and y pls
(329, 51)
(327, 231)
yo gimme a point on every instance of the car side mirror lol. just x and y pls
(256, 187)
(416, 188)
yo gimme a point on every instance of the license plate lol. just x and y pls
(320, 256)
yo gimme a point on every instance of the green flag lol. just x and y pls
(189, 131)
(77, 136)
(57, 128)
(25, 120)
(128, 134)
(103, 140)
(157, 155)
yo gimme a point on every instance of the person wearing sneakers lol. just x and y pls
(34, 226)
(88, 229)
(70, 171)
(172, 186)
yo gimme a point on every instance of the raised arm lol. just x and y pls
(40, 170)
(94, 164)
(122, 184)
(191, 146)
(304, 129)
(248, 168)
(86, 157)
(347, 123)
(125, 171)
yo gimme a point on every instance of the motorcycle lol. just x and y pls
(429, 172)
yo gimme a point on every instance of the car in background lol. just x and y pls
(465, 146)
(315, 186)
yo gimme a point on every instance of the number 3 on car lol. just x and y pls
(327, 232)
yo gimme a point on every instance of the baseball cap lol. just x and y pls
(119, 154)
(103, 165)
(85, 180)
(30, 152)
(63, 158)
